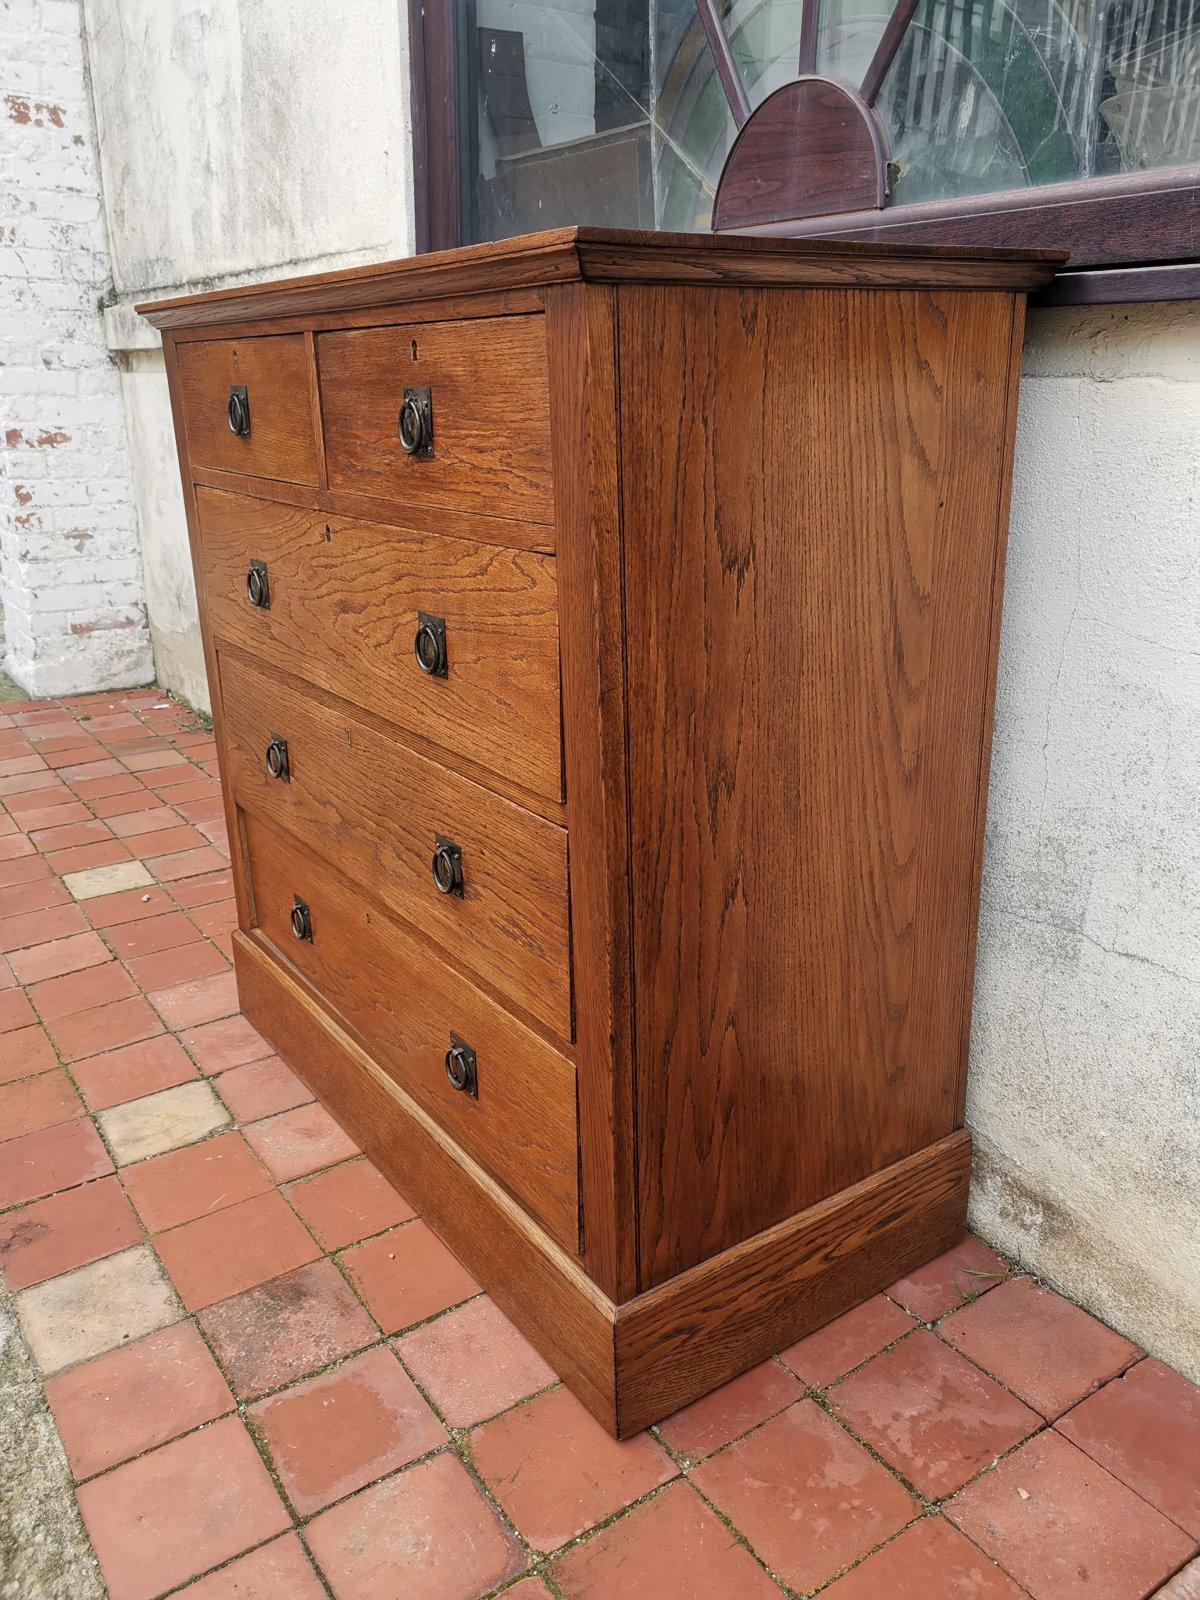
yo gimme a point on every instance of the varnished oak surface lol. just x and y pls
(810, 566)
(491, 427)
(284, 437)
(566, 255)
(375, 808)
(345, 598)
(403, 1003)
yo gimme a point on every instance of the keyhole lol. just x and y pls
(414, 349)
(328, 534)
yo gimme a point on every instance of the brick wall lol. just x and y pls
(70, 564)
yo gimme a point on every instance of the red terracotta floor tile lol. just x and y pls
(65, 834)
(276, 1571)
(407, 1275)
(347, 1203)
(218, 918)
(151, 934)
(182, 1509)
(556, 1471)
(114, 797)
(1066, 1529)
(287, 1328)
(929, 1561)
(231, 1042)
(163, 851)
(426, 1533)
(65, 1231)
(728, 1412)
(40, 894)
(183, 964)
(148, 819)
(204, 890)
(474, 1363)
(234, 1249)
(128, 905)
(847, 1341)
(931, 1414)
(81, 858)
(261, 1089)
(807, 1496)
(28, 929)
(672, 1546)
(87, 1033)
(132, 1071)
(15, 1011)
(193, 1182)
(1043, 1348)
(187, 1005)
(41, 1102)
(25, 1052)
(337, 1432)
(72, 954)
(136, 1397)
(295, 1143)
(82, 991)
(1145, 1430)
(949, 1280)
(33, 818)
(52, 1159)
(188, 863)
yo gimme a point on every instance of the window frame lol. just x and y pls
(1131, 237)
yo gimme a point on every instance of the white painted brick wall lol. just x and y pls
(70, 566)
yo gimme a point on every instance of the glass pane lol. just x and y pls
(606, 112)
(986, 95)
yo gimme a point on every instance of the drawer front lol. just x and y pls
(273, 377)
(488, 409)
(344, 603)
(359, 798)
(386, 986)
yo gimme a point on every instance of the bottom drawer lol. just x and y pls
(515, 1114)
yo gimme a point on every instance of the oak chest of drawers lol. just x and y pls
(601, 631)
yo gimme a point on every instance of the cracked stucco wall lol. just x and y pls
(239, 140)
(1085, 1057)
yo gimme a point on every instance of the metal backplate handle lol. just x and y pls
(301, 919)
(447, 866)
(429, 645)
(277, 763)
(238, 411)
(461, 1067)
(414, 426)
(258, 588)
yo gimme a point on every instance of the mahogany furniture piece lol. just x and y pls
(602, 633)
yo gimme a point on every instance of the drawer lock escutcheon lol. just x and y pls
(277, 759)
(447, 866)
(238, 411)
(429, 646)
(301, 919)
(461, 1069)
(415, 424)
(258, 588)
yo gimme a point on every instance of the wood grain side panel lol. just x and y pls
(387, 987)
(284, 437)
(583, 406)
(682, 1339)
(364, 801)
(810, 487)
(532, 1281)
(491, 427)
(345, 598)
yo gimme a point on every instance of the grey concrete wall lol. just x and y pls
(239, 140)
(1085, 1059)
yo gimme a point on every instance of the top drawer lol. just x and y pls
(263, 388)
(484, 389)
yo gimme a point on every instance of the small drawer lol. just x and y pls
(480, 877)
(499, 1091)
(441, 414)
(248, 406)
(454, 641)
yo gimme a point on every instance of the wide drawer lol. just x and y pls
(264, 387)
(483, 390)
(344, 603)
(383, 813)
(409, 1009)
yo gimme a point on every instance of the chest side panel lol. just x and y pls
(811, 488)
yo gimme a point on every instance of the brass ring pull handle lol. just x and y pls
(447, 866)
(276, 761)
(429, 645)
(238, 411)
(461, 1068)
(414, 426)
(301, 919)
(258, 589)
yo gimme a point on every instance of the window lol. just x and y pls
(1072, 123)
